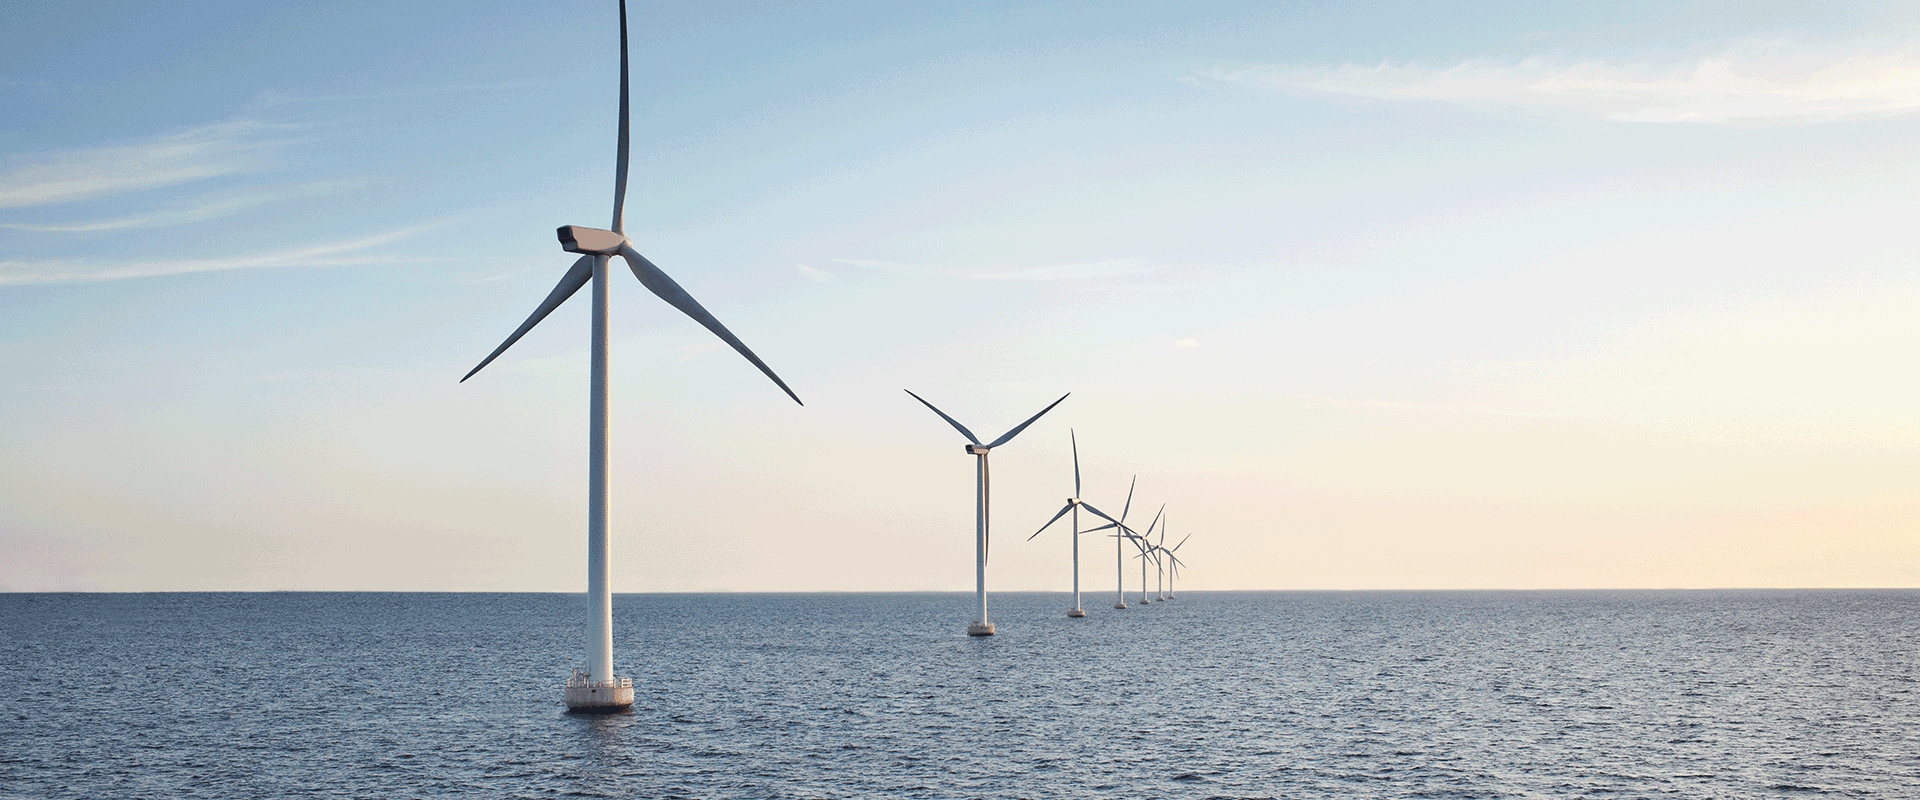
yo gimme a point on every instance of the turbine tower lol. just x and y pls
(594, 688)
(1074, 504)
(982, 626)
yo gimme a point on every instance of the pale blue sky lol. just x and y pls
(1402, 295)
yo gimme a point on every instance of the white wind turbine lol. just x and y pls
(1119, 555)
(1146, 550)
(595, 688)
(1174, 564)
(1074, 505)
(982, 626)
(1160, 563)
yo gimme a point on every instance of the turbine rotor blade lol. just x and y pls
(1103, 514)
(1023, 426)
(1076, 463)
(950, 420)
(620, 158)
(1156, 520)
(1183, 540)
(663, 286)
(1056, 518)
(577, 276)
(1129, 505)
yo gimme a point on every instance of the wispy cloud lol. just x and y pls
(228, 148)
(335, 254)
(332, 375)
(693, 351)
(204, 209)
(1759, 79)
(271, 98)
(814, 274)
(1079, 270)
(1319, 401)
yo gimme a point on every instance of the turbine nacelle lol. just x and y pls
(977, 450)
(590, 241)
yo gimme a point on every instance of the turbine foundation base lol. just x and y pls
(980, 629)
(1119, 605)
(1076, 613)
(604, 697)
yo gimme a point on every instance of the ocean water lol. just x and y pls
(1616, 694)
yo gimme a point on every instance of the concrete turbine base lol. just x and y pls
(1076, 613)
(980, 629)
(608, 697)
(1119, 605)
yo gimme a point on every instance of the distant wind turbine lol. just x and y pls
(1174, 564)
(595, 688)
(1119, 554)
(982, 626)
(1074, 504)
(1146, 551)
(1160, 563)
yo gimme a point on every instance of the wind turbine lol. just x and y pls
(982, 626)
(595, 688)
(1140, 541)
(1160, 564)
(1119, 555)
(1074, 504)
(1173, 568)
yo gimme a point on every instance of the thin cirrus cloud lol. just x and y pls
(211, 151)
(193, 212)
(334, 254)
(1756, 80)
(272, 98)
(1079, 270)
(1413, 407)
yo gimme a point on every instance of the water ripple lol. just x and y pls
(1215, 695)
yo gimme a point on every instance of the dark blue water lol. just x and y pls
(1714, 694)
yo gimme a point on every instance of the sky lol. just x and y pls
(1495, 295)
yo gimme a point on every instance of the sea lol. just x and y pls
(1495, 694)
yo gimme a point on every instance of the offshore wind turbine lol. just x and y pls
(1159, 574)
(982, 626)
(1074, 504)
(1119, 555)
(1140, 541)
(595, 688)
(1173, 568)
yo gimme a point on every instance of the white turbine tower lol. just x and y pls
(595, 688)
(1074, 504)
(982, 626)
